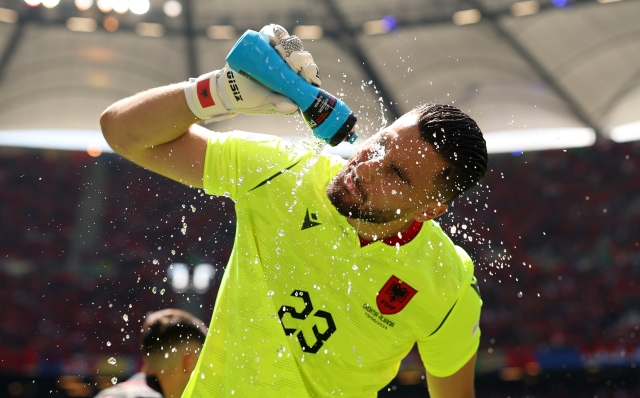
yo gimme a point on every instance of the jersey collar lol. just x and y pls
(401, 239)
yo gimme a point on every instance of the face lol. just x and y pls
(390, 177)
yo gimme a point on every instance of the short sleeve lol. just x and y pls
(237, 162)
(453, 344)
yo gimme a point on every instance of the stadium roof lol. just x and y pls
(561, 69)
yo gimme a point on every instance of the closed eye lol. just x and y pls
(402, 177)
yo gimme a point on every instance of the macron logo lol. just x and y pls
(310, 220)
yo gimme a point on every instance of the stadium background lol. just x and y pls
(88, 239)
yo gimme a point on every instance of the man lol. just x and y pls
(171, 340)
(338, 269)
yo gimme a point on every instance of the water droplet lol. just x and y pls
(111, 361)
(114, 380)
(154, 290)
(156, 262)
(394, 192)
(125, 317)
(281, 232)
(519, 294)
(108, 344)
(173, 252)
(162, 291)
(164, 279)
(226, 194)
(202, 375)
(355, 267)
(270, 293)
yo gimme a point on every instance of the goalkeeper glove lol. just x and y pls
(292, 51)
(224, 93)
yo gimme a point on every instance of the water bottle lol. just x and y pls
(329, 118)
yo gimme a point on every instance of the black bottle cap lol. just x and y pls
(346, 131)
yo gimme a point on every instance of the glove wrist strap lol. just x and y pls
(202, 97)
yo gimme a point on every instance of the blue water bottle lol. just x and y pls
(329, 118)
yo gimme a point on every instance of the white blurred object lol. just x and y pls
(172, 8)
(120, 6)
(50, 3)
(104, 5)
(179, 276)
(70, 140)
(83, 5)
(626, 132)
(139, 7)
(539, 139)
(202, 276)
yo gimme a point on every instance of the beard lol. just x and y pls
(338, 196)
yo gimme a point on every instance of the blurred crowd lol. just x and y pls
(555, 236)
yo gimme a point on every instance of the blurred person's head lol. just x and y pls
(171, 343)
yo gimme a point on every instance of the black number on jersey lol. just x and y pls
(308, 308)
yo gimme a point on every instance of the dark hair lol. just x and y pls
(168, 328)
(458, 139)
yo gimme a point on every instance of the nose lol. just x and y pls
(367, 169)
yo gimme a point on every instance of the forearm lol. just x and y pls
(148, 119)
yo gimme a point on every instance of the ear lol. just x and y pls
(429, 213)
(144, 365)
(189, 361)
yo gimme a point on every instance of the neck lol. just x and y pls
(374, 231)
(170, 389)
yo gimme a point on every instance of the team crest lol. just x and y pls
(394, 296)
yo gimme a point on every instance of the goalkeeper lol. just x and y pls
(338, 267)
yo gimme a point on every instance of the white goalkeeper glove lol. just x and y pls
(292, 51)
(224, 93)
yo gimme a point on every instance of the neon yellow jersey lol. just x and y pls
(303, 310)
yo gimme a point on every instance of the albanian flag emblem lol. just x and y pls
(394, 296)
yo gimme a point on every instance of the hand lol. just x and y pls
(224, 93)
(292, 51)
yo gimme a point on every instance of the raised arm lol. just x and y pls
(155, 129)
(458, 385)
